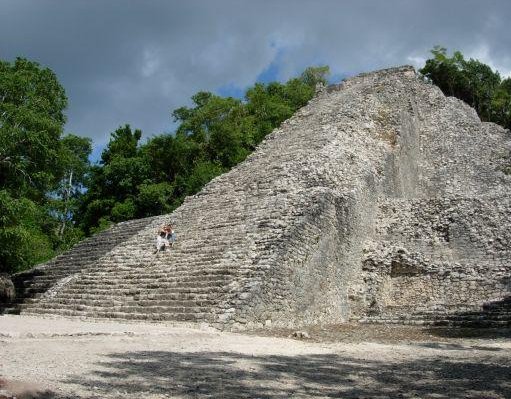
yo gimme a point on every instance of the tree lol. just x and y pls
(113, 185)
(31, 123)
(501, 104)
(217, 125)
(24, 241)
(312, 76)
(123, 143)
(471, 81)
(74, 168)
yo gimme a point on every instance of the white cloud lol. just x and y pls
(150, 62)
(416, 61)
(482, 53)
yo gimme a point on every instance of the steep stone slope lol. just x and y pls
(381, 200)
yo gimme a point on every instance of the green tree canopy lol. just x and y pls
(31, 120)
(471, 81)
(314, 75)
(34, 162)
(113, 185)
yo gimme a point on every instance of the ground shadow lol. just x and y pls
(474, 333)
(456, 347)
(491, 321)
(234, 375)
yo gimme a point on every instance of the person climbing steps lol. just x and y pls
(170, 235)
(166, 238)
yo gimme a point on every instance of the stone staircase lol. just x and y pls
(495, 314)
(32, 283)
(194, 281)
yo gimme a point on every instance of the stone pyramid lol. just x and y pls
(381, 200)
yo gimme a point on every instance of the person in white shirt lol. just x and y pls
(161, 241)
(166, 238)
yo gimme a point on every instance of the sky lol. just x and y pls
(134, 61)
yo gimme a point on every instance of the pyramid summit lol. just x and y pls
(382, 200)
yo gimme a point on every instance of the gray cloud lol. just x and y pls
(134, 61)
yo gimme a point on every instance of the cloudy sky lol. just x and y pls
(133, 61)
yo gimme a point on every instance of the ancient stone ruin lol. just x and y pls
(382, 200)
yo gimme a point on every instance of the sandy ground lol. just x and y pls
(62, 358)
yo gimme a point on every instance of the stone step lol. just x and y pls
(148, 283)
(443, 319)
(169, 256)
(441, 322)
(165, 264)
(161, 271)
(10, 310)
(116, 308)
(433, 316)
(171, 280)
(149, 287)
(86, 279)
(504, 306)
(114, 314)
(177, 271)
(171, 287)
(170, 277)
(180, 293)
(462, 319)
(132, 290)
(90, 249)
(64, 303)
(175, 267)
(167, 296)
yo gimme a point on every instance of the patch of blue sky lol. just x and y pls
(271, 73)
(231, 90)
(95, 155)
(337, 77)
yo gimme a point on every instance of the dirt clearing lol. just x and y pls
(62, 358)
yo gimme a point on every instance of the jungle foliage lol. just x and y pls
(473, 82)
(41, 171)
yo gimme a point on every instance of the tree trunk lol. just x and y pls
(67, 195)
